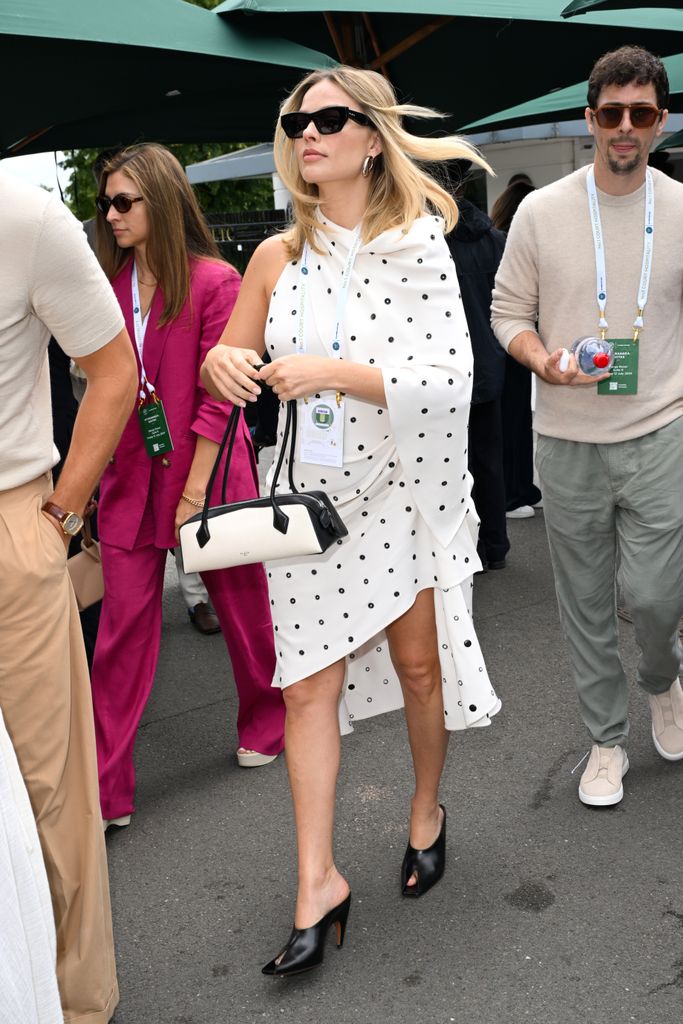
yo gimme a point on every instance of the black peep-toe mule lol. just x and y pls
(306, 946)
(427, 864)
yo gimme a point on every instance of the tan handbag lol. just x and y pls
(85, 570)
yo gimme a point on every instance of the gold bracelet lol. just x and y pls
(193, 501)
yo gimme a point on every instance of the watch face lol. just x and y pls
(72, 524)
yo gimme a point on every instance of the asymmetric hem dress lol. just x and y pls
(403, 490)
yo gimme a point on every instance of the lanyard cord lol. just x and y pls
(140, 326)
(342, 297)
(599, 246)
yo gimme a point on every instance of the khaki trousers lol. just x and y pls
(607, 505)
(45, 699)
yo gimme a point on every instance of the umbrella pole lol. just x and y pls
(345, 56)
(410, 41)
(27, 140)
(370, 29)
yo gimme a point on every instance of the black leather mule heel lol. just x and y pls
(427, 864)
(306, 946)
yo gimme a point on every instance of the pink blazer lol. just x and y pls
(173, 355)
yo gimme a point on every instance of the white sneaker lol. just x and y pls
(253, 759)
(523, 512)
(667, 721)
(121, 822)
(601, 784)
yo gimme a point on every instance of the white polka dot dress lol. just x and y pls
(403, 490)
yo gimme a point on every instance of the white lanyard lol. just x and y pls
(140, 326)
(598, 243)
(342, 298)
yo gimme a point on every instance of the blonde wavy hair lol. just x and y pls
(400, 189)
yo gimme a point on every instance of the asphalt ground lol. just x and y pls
(549, 911)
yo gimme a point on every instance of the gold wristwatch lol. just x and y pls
(70, 522)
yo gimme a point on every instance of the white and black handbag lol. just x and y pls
(260, 529)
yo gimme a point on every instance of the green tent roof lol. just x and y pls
(568, 103)
(589, 6)
(673, 142)
(89, 73)
(460, 56)
(518, 10)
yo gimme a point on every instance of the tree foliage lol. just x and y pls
(213, 197)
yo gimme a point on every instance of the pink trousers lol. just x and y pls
(127, 652)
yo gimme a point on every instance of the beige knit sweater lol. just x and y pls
(548, 275)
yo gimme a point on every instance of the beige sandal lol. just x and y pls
(252, 758)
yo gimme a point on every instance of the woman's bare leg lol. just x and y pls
(414, 649)
(312, 750)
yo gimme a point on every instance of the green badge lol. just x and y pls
(323, 417)
(154, 427)
(624, 373)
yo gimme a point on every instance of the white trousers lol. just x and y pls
(28, 979)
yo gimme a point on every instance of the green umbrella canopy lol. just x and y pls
(92, 73)
(460, 56)
(589, 6)
(672, 142)
(569, 103)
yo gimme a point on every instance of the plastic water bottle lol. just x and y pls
(594, 357)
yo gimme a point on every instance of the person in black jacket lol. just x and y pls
(477, 248)
(521, 493)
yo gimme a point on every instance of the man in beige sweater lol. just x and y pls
(600, 252)
(51, 283)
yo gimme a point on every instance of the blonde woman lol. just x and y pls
(358, 308)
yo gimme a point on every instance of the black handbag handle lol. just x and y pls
(280, 519)
(290, 424)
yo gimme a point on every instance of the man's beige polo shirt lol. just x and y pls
(50, 284)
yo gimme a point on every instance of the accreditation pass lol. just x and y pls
(322, 433)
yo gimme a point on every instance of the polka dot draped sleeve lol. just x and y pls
(428, 392)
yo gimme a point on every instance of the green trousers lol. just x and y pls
(610, 506)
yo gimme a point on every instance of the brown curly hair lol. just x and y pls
(625, 65)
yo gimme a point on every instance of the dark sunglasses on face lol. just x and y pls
(642, 115)
(121, 203)
(328, 121)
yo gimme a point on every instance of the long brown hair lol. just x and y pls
(401, 190)
(505, 206)
(177, 230)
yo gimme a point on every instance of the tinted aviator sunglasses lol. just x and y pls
(328, 121)
(121, 203)
(642, 115)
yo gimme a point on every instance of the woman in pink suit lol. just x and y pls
(176, 295)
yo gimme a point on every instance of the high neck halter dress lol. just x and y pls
(403, 490)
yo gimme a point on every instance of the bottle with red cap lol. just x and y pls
(594, 356)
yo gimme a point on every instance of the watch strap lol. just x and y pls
(61, 516)
(55, 511)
